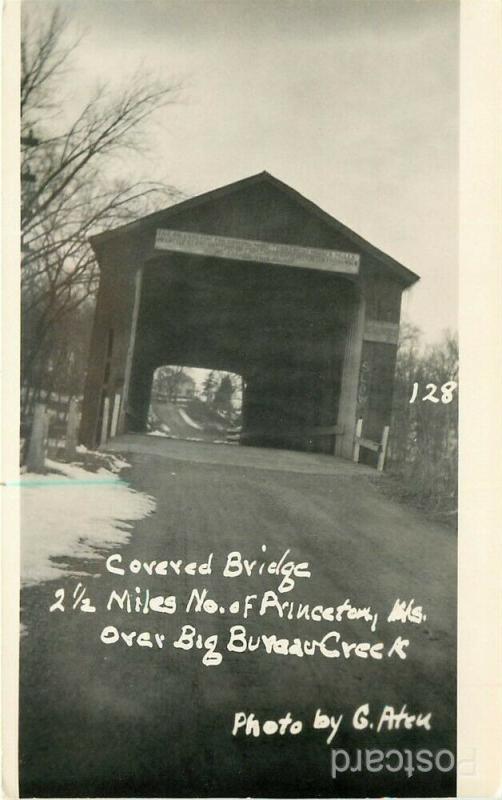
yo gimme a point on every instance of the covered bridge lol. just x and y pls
(255, 279)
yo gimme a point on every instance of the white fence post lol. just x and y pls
(71, 431)
(104, 424)
(383, 449)
(115, 416)
(357, 436)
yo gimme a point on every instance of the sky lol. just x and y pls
(354, 103)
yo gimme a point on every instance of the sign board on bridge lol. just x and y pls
(253, 250)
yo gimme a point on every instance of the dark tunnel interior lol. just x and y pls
(282, 329)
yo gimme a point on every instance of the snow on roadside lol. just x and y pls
(71, 513)
(189, 421)
(109, 460)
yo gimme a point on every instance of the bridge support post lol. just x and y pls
(122, 420)
(347, 412)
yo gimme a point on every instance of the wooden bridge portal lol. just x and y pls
(255, 279)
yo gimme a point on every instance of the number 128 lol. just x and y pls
(446, 390)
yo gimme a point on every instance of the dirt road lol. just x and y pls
(175, 421)
(111, 720)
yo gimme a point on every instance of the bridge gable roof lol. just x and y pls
(259, 207)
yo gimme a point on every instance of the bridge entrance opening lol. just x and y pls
(283, 331)
(195, 404)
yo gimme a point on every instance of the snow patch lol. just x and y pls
(74, 514)
(113, 462)
(189, 421)
(117, 464)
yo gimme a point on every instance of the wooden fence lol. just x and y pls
(305, 435)
(380, 448)
(49, 436)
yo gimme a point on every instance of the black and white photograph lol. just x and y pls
(239, 398)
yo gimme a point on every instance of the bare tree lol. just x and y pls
(167, 381)
(424, 434)
(68, 186)
(223, 396)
